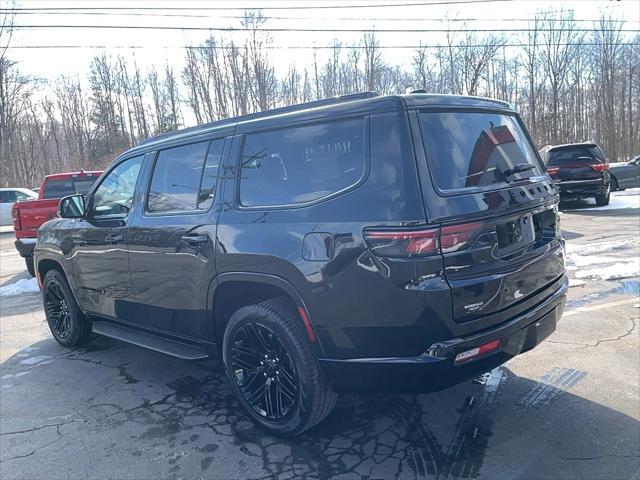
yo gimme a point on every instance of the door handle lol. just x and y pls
(113, 238)
(195, 239)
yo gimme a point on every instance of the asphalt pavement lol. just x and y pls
(569, 409)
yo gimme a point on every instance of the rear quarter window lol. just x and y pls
(476, 150)
(297, 165)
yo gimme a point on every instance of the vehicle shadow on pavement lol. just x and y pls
(118, 411)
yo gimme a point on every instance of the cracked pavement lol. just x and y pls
(568, 409)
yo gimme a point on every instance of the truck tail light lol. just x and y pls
(553, 171)
(15, 213)
(476, 352)
(402, 243)
(599, 167)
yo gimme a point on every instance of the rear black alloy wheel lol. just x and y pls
(273, 368)
(263, 371)
(67, 323)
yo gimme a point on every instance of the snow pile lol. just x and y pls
(603, 267)
(620, 200)
(21, 286)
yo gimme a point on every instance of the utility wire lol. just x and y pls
(334, 30)
(275, 17)
(292, 47)
(263, 7)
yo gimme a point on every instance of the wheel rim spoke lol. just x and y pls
(263, 370)
(57, 310)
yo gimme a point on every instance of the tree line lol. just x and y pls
(568, 83)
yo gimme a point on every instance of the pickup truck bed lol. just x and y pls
(29, 215)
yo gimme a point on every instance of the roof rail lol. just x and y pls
(267, 113)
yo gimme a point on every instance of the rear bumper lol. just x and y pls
(435, 369)
(582, 188)
(25, 246)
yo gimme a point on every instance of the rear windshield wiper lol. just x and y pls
(521, 167)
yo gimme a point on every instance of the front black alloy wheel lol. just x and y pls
(263, 370)
(273, 368)
(66, 321)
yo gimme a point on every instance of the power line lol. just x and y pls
(328, 30)
(276, 17)
(291, 47)
(263, 7)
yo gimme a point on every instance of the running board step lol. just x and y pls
(160, 344)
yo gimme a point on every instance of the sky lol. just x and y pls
(164, 46)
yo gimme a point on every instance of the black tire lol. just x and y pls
(603, 199)
(30, 268)
(290, 362)
(614, 184)
(67, 323)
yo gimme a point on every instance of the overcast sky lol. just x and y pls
(160, 46)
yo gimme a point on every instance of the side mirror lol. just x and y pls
(72, 207)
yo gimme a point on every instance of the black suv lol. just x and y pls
(363, 243)
(579, 170)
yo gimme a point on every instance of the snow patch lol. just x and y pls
(21, 286)
(627, 269)
(620, 200)
(576, 283)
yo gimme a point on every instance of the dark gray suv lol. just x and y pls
(364, 243)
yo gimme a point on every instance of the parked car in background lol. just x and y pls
(625, 175)
(29, 215)
(364, 243)
(9, 196)
(579, 170)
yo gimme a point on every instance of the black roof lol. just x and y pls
(342, 105)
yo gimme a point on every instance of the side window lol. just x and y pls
(114, 196)
(8, 196)
(295, 165)
(210, 174)
(21, 196)
(176, 179)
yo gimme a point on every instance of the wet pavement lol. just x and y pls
(568, 409)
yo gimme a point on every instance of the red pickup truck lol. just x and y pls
(28, 215)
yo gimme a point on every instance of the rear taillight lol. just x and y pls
(15, 213)
(412, 243)
(552, 171)
(402, 243)
(456, 237)
(599, 167)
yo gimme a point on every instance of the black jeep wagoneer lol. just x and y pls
(363, 243)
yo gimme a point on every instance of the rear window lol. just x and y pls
(296, 165)
(571, 155)
(58, 188)
(476, 150)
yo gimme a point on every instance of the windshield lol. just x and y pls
(471, 150)
(58, 188)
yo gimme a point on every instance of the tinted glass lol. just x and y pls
(114, 196)
(21, 196)
(571, 155)
(176, 179)
(8, 196)
(210, 174)
(468, 150)
(301, 164)
(58, 188)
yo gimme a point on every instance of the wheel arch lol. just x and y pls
(232, 290)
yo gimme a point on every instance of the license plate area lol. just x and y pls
(515, 235)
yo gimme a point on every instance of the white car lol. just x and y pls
(9, 196)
